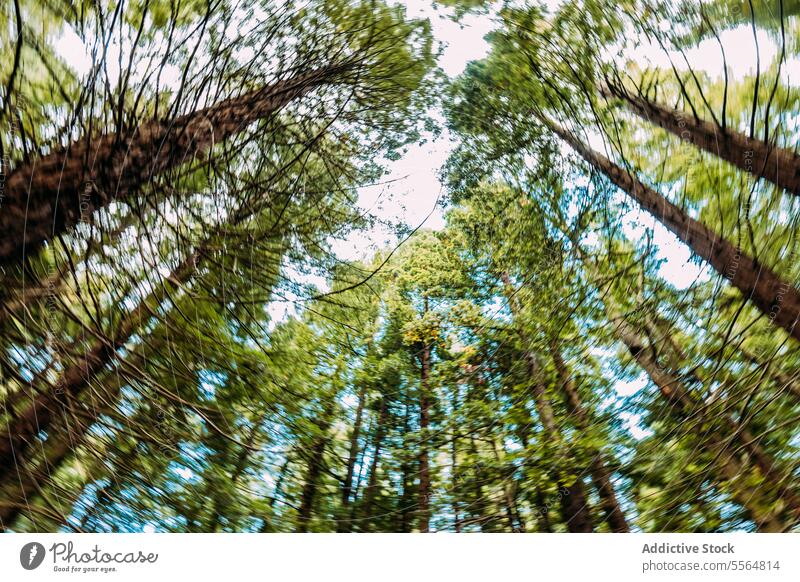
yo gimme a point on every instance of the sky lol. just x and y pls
(411, 189)
(413, 185)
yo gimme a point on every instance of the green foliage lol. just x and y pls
(528, 358)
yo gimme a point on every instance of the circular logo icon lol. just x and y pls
(31, 555)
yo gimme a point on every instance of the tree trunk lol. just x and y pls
(359, 477)
(46, 197)
(775, 298)
(509, 496)
(316, 463)
(574, 507)
(543, 512)
(268, 526)
(600, 477)
(372, 482)
(788, 383)
(26, 482)
(22, 429)
(407, 501)
(423, 510)
(15, 300)
(52, 400)
(672, 389)
(347, 486)
(748, 442)
(758, 158)
(480, 506)
(68, 433)
(241, 464)
(454, 464)
(424, 419)
(536, 497)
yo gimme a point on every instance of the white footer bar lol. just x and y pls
(389, 557)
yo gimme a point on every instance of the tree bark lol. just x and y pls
(515, 523)
(407, 501)
(238, 469)
(347, 486)
(756, 157)
(672, 389)
(314, 469)
(47, 196)
(424, 419)
(479, 507)
(775, 298)
(738, 433)
(26, 482)
(536, 497)
(788, 383)
(51, 400)
(454, 464)
(600, 477)
(677, 359)
(574, 507)
(372, 482)
(543, 512)
(268, 526)
(17, 299)
(22, 428)
(68, 433)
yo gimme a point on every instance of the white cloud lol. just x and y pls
(634, 426)
(184, 473)
(410, 191)
(630, 387)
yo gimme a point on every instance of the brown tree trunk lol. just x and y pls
(600, 477)
(789, 383)
(424, 419)
(774, 297)
(543, 512)
(220, 502)
(423, 510)
(407, 501)
(672, 389)
(47, 196)
(359, 477)
(313, 473)
(347, 485)
(454, 465)
(480, 506)
(758, 158)
(27, 481)
(536, 498)
(677, 359)
(50, 399)
(574, 507)
(268, 525)
(316, 463)
(372, 481)
(67, 434)
(16, 300)
(33, 292)
(515, 523)
(53, 400)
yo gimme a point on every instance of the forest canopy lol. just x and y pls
(185, 348)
